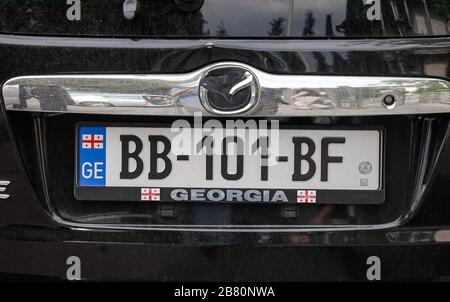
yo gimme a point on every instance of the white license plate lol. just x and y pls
(289, 166)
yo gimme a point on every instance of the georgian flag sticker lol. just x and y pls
(92, 141)
(150, 194)
(306, 196)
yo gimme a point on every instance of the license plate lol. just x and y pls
(302, 166)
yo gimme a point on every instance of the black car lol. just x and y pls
(212, 140)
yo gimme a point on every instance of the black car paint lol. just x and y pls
(33, 243)
(25, 222)
(230, 18)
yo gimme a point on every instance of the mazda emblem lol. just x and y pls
(228, 89)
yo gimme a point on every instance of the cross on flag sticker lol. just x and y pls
(150, 194)
(306, 196)
(92, 141)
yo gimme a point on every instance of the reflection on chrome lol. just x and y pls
(178, 94)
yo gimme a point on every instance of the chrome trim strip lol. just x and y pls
(178, 94)
(4, 182)
(228, 228)
(4, 196)
(418, 44)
